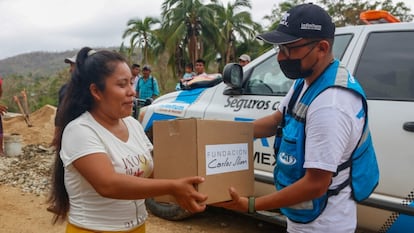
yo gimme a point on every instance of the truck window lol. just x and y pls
(385, 68)
(340, 44)
(267, 79)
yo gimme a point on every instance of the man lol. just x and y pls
(135, 70)
(72, 63)
(3, 110)
(200, 67)
(244, 59)
(327, 105)
(147, 85)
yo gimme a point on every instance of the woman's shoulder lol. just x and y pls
(84, 119)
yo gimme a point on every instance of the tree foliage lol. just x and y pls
(235, 24)
(191, 29)
(40, 90)
(142, 35)
(345, 12)
(188, 25)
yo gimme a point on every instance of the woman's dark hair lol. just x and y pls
(92, 67)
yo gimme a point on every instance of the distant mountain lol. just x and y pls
(36, 64)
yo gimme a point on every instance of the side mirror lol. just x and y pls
(233, 78)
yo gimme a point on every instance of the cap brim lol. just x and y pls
(68, 60)
(277, 37)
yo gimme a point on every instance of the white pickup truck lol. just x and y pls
(381, 57)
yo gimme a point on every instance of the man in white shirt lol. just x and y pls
(319, 125)
(135, 70)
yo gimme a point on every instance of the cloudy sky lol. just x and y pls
(60, 25)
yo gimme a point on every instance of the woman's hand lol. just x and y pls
(187, 196)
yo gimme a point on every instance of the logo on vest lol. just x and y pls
(286, 158)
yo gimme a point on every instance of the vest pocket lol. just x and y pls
(289, 166)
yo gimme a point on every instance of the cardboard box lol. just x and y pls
(220, 151)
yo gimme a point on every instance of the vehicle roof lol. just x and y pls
(377, 27)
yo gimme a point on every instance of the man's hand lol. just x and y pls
(236, 203)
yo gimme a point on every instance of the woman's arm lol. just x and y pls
(98, 170)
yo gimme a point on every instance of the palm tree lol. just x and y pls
(185, 21)
(142, 35)
(235, 25)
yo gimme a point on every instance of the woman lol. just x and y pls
(104, 158)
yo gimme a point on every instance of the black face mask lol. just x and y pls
(292, 68)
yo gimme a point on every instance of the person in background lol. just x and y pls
(189, 72)
(200, 67)
(103, 162)
(72, 62)
(323, 123)
(61, 93)
(147, 85)
(3, 110)
(135, 70)
(187, 76)
(244, 59)
(200, 77)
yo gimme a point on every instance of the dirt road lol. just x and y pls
(26, 213)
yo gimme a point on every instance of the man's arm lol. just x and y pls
(137, 88)
(266, 126)
(156, 90)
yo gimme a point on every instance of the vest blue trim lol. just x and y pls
(291, 155)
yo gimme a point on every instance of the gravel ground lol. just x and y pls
(30, 172)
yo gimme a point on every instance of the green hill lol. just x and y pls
(36, 64)
(41, 74)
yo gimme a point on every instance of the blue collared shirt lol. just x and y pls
(147, 88)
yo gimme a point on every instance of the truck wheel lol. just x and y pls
(169, 211)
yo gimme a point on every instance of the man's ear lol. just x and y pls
(324, 46)
(95, 92)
